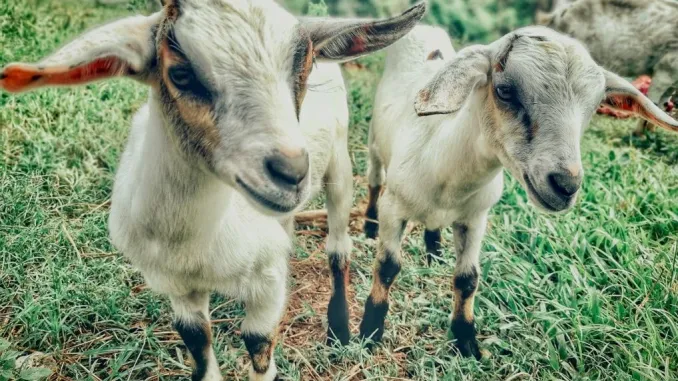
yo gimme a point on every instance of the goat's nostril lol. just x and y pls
(287, 171)
(564, 183)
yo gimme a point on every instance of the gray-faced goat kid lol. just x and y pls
(239, 130)
(444, 125)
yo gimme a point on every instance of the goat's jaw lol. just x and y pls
(270, 200)
(548, 204)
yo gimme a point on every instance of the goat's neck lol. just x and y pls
(176, 190)
(466, 157)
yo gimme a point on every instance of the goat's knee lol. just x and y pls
(463, 323)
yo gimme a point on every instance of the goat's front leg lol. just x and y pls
(191, 320)
(339, 186)
(468, 235)
(264, 308)
(386, 267)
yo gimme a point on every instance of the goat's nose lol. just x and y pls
(565, 183)
(288, 170)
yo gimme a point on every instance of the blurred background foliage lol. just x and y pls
(466, 20)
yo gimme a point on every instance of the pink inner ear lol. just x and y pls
(20, 77)
(358, 45)
(623, 102)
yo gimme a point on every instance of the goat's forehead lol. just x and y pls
(550, 65)
(216, 30)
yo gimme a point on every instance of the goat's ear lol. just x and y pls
(447, 91)
(123, 47)
(343, 39)
(621, 95)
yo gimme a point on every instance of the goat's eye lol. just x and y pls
(181, 77)
(504, 92)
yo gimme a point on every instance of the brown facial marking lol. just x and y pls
(303, 63)
(195, 120)
(172, 9)
(500, 66)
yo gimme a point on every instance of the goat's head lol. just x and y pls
(230, 76)
(540, 89)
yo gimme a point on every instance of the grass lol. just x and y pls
(588, 295)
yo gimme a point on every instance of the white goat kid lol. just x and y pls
(224, 151)
(442, 129)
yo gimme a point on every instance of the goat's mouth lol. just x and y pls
(267, 201)
(548, 205)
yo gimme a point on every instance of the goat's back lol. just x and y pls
(411, 52)
(407, 70)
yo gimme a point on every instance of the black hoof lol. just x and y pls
(372, 326)
(342, 337)
(467, 344)
(469, 348)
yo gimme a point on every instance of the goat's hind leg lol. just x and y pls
(432, 239)
(339, 185)
(191, 320)
(375, 177)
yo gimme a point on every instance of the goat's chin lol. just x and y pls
(545, 202)
(271, 201)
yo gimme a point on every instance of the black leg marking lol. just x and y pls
(371, 227)
(372, 325)
(466, 283)
(433, 245)
(260, 349)
(388, 269)
(463, 323)
(376, 306)
(197, 338)
(337, 310)
(465, 333)
(460, 233)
